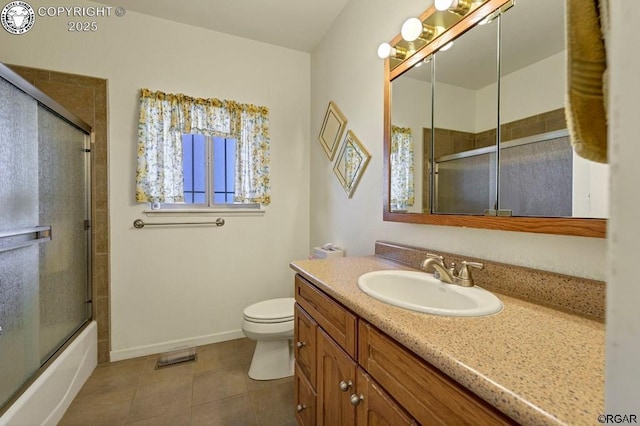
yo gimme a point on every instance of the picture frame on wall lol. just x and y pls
(332, 129)
(351, 163)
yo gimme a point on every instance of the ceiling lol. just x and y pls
(294, 24)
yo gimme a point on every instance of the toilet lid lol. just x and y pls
(273, 310)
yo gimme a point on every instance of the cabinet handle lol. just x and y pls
(300, 408)
(344, 386)
(356, 399)
(301, 345)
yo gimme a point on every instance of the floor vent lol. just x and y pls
(177, 357)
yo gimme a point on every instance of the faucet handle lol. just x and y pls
(464, 275)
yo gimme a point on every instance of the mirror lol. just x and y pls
(465, 122)
(477, 182)
(540, 175)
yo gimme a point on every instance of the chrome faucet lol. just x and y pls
(449, 275)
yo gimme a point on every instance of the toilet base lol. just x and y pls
(272, 359)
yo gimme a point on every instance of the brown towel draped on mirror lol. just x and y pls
(586, 77)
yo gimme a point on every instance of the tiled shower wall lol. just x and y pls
(453, 141)
(86, 97)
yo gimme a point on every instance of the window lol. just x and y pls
(208, 165)
(202, 152)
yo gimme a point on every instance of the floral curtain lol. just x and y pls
(252, 157)
(164, 118)
(402, 168)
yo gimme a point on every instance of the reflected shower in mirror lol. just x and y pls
(465, 122)
(540, 175)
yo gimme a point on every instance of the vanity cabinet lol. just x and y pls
(330, 388)
(350, 373)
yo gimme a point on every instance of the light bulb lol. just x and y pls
(443, 4)
(384, 50)
(411, 29)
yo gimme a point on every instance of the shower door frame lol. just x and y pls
(47, 102)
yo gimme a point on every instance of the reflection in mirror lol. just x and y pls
(351, 162)
(465, 122)
(411, 139)
(540, 175)
(531, 91)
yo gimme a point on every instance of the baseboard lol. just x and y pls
(157, 348)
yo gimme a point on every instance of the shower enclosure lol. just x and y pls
(536, 178)
(45, 295)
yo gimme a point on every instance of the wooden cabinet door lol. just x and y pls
(376, 408)
(335, 383)
(305, 400)
(305, 344)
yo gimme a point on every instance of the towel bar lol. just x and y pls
(139, 223)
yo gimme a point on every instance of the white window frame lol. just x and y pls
(182, 208)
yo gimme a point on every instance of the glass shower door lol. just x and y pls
(64, 205)
(19, 277)
(44, 236)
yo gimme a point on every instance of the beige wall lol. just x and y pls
(623, 291)
(179, 286)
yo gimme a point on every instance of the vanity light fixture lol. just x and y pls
(459, 7)
(385, 50)
(414, 29)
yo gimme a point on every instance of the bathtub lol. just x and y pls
(46, 400)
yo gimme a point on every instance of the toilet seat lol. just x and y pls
(270, 311)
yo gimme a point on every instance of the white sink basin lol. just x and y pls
(420, 291)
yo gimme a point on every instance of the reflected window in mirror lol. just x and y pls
(411, 117)
(402, 168)
(465, 122)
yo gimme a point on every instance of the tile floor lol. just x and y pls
(214, 390)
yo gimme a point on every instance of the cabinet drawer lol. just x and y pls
(305, 344)
(305, 400)
(426, 393)
(332, 317)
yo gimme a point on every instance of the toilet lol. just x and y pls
(270, 324)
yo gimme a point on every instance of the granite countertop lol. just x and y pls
(535, 364)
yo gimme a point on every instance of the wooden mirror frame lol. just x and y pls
(583, 227)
